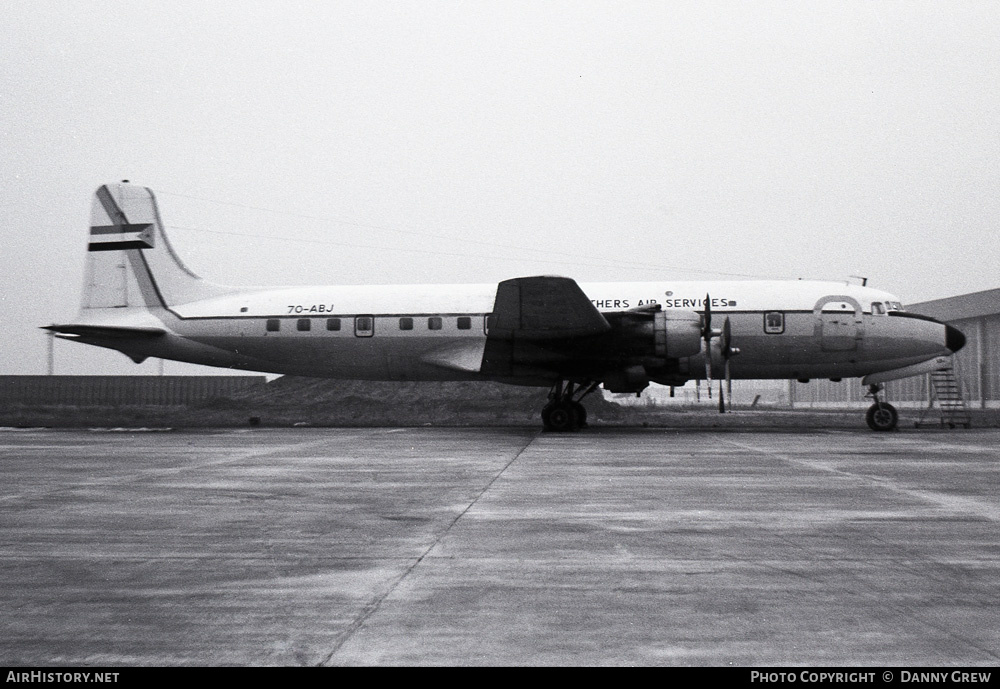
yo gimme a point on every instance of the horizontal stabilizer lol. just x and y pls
(542, 308)
(106, 332)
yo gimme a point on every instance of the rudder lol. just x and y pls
(130, 263)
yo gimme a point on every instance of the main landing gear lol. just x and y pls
(564, 412)
(881, 416)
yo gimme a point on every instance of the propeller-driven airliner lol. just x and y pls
(140, 299)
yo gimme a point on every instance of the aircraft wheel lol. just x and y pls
(882, 417)
(561, 417)
(545, 416)
(581, 414)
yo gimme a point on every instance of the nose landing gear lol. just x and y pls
(881, 416)
(564, 412)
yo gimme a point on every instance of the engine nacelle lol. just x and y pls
(676, 334)
(667, 335)
(658, 335)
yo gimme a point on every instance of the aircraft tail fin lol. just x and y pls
(130, 263)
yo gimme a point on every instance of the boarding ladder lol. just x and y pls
(947, 390)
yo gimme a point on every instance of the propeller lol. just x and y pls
(726, 348)
(706, 334)
(728, 352)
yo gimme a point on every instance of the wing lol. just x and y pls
(544, 308)
(537, 327)
(545, 328)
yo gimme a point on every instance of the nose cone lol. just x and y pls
(954, 339)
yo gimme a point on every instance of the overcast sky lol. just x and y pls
(412, 142)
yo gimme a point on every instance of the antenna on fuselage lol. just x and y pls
(864, 280)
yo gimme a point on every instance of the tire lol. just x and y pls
(545, 416)
(882, 417)
(562, 417)
(581, 414)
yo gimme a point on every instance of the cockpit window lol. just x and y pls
(894, 306)
(877, 308)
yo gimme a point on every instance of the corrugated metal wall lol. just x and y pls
(115, 390)
(850, 393)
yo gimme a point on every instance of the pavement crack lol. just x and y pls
(373, 607)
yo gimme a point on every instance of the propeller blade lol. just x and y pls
(706, 334)
(708, 372)
(708, 366)
(729, 383)
(706, 330)
(727, 353)
(722, 400)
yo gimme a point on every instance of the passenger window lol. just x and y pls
(406, 323)
(464, 323)
(333, 324)
(877, 309)
(364, 326)
(434, 323)
(774, 322)
(273, 325)
(304, 325)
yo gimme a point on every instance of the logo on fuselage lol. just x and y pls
(678, 303)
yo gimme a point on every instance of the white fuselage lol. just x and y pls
(783, 329)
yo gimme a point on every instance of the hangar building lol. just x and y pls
(978, 363)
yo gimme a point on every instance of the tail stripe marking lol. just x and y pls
(119, 229)
(117, 246)
(129, 236)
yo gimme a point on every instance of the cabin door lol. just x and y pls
(838, 323)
